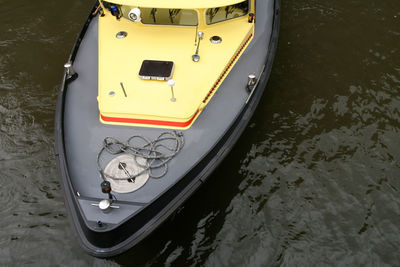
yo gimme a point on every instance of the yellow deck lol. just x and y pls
(120, 61)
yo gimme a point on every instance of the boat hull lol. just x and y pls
(119, 237)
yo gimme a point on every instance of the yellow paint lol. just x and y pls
(121, 59)
(184, 4)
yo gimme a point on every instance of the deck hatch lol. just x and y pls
(156, 70)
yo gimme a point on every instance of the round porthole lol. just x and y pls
(215, 39)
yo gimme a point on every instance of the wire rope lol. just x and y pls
(157, 152)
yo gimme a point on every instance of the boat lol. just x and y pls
(154, 96)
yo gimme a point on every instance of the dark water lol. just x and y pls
(314, 180)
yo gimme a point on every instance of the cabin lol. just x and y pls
(160, 62)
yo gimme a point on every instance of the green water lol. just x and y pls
(314, 180)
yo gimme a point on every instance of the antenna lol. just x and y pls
(195, 38)
(196, 56)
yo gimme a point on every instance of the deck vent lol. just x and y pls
(121, 35)
(215, 39)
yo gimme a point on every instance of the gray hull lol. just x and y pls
(79, 137)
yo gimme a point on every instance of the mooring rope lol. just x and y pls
(150, 150)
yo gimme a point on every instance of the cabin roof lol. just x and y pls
(181, 4)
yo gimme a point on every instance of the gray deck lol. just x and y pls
(84, 134)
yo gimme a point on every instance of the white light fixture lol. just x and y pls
(134, 15)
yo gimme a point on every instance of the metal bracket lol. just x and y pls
(70, 72)
(105, 205)
(255, 85)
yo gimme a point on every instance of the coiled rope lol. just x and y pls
(157, 152)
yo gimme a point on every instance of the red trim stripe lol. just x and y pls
(150, 122)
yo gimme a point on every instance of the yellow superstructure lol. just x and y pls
(184, 4)
(148, 102)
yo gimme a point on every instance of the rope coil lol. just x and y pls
(157, 152)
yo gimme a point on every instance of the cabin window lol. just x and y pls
(223, 13)
(158, 16)
(165, 16)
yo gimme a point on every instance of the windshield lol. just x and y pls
(219, 14)
(165, 16)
